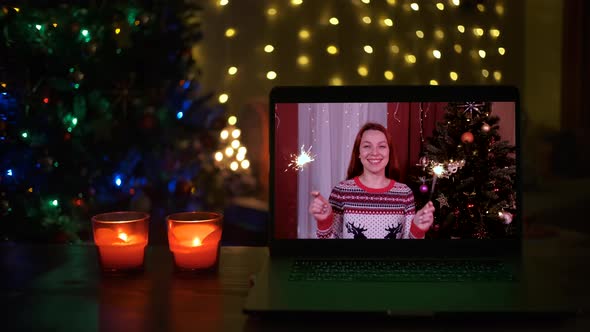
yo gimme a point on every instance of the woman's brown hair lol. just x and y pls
(355, 167)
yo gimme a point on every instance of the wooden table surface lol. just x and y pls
(59, 288)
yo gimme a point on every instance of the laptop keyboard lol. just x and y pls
(398, 270)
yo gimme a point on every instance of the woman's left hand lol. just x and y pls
(425, 217)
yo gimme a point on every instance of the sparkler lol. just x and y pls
(298, 162)
(437, 171)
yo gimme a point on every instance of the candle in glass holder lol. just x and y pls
(121, 238)
(194, 239)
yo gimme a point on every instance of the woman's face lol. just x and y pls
(374, 151)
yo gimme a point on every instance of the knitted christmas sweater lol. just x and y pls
(360, 212)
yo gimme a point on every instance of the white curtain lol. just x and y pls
(328, 130)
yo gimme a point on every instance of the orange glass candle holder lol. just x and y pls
(121, 238)
(194, 239)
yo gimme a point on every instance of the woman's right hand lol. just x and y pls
(320, 208)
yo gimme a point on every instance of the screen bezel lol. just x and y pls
(382, 247)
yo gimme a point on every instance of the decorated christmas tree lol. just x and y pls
(101, 110)
(474, 174)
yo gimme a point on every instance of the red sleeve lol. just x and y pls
(416, 232)
(325, 224)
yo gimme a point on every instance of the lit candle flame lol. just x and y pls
(197, 242)
(123, 236)
(298, 162)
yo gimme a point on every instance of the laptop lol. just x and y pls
(468, 262)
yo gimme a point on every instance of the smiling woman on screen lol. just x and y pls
(370, 203)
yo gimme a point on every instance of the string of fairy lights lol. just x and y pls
(480, 41)
(231, 153)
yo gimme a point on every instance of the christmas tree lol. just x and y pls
(474, 191)
(101, 110)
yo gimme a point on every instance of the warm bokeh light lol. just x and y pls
(440, 6)
(336, 81)
(461, 28)
(389, 75)
(235, 144)
(232, 120)
(388, 22)
(269, 48)
(454, 76)
(218, 156)
(498, 75)
(363, 71)
(456, 2)
(395, 49)
(271, 11)
(367, 20)
(481, 7)
(436, 54)
(229, 33)
(236, 133)
(332, 49)
(304, 34)
(439, 34)
(229, 151)
(485, 73)
(234, 166)
(223, 98)
(223, 2)
(224, 134)
(482, 54)
(232, 70)
(368, 49)
(495, 33)
(296, 2)
(419, 34)
(245, 164)
(433, 82)
(478, 32)
(414, 6)
(500, 9)
(501, 50)
(334, 21)
(410, 58)
(271, 75)
(303, 60)
(458, 48)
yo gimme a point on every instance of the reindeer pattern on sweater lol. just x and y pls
(360, 212)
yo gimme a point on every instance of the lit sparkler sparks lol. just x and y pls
(437, 171)
(298, 162)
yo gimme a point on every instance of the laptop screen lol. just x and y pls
(395, 169)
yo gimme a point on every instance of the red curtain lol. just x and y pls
(285, 185)
(404, 124)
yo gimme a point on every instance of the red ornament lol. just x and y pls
(467, 137)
